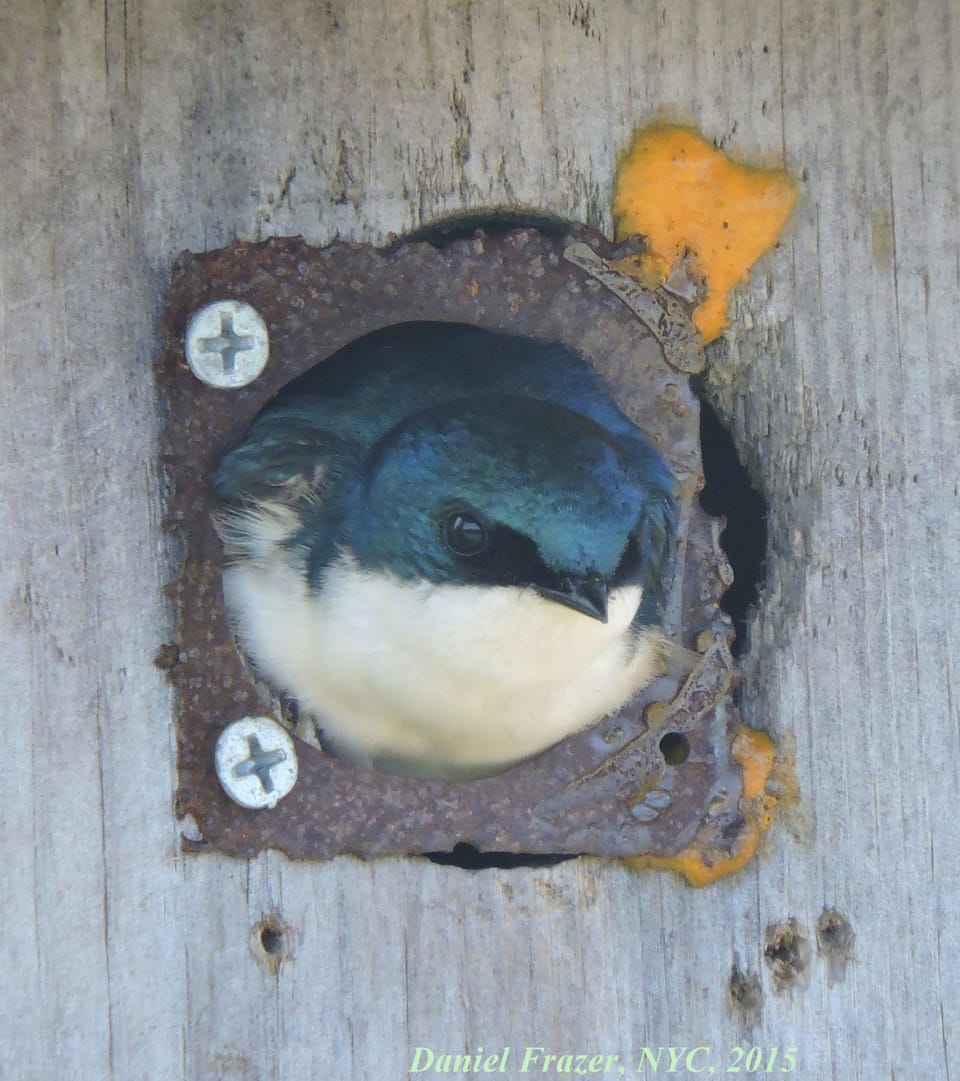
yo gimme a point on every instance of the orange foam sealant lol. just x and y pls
(688, 198)
(755, 753)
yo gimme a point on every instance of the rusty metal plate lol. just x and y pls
(610, 790)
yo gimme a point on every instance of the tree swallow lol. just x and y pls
(447, 544)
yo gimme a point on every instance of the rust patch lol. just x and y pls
(607, 791)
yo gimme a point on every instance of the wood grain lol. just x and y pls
(130, 131)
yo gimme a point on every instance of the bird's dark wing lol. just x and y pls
(281, 457)
(286, 461)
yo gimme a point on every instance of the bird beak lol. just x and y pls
(587, 595)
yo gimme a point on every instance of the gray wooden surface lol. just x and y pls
(132, 130)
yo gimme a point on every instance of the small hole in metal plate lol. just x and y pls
(675, 747)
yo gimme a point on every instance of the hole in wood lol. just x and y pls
(834, 932)
(746, 995)
(470, 858)
(494, 223)
(730, 493)
(787, 952)
(271, 942)
(271, 938)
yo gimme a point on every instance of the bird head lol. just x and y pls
(504, 490)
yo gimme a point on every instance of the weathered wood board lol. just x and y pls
(130, 131)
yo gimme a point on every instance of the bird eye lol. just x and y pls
(464, 535)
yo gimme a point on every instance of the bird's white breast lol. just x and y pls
(436, 680)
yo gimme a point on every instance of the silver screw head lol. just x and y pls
(227, 344)
(256, 762)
